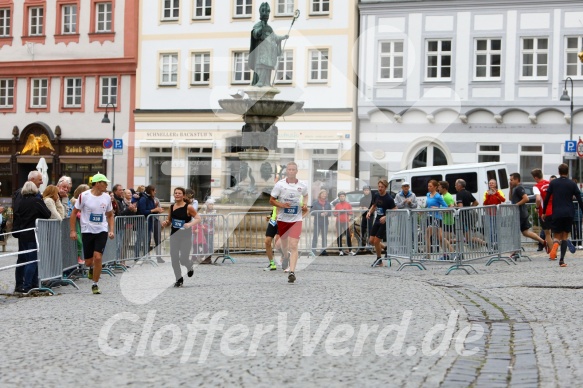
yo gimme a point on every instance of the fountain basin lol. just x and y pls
(273, 108)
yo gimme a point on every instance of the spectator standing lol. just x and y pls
(190, 194)
(343, 213)
(37, 179)
(181, 217)
(149, 204)
(97, 225)
(52, 200)
(406, 199)
(434, 220)
(365, 222)
(448, 219)
(208, 221)
(468, 219)
(64, 185)
(493, 196)
(519, 198)
(562, 191)
(30, 208)
(381, 203)
(320, 213)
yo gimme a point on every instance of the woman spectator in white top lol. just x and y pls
(52, 200)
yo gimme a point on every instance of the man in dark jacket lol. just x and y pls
(147, 205)
(36, 178)
(29, 210)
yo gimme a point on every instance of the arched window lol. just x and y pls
(429, 156)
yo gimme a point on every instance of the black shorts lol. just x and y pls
(271, 230)
(562, 224)
(379, 231)
(93, 243)
(524, 224)
(547, 223)
(448, 228)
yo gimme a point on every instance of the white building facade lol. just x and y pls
(445, 82)
(194, 53)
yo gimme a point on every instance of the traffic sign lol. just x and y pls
(570, 146)
(118, 144)
(107, 153)
(107, 143)
(580, 148)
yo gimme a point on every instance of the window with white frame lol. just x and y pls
(285, 68)
(171, 9)
(284, 8)
(103, 17)
(574, 67)
(531, 157)
(202, 9)
(318, 65)
(69, 19)
(488, 59)
(488, 153)
(6, 93)
(535, 58)
(391, 60)
(243, 8)
(73, 90)
(107, 91)
(241, 70)
(439, 59)
(39, 91)
(4, 21)
(169, 69)
(35, 21)
(320, 7)
(201, 68)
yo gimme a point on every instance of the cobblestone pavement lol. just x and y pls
(511, 326)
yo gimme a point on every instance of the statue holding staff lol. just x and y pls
(265, 49)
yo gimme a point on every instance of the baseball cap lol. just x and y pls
(210, 200)
(405, 184)
(99, 178)
(366, 187)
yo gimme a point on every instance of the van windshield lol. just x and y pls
(419, 183)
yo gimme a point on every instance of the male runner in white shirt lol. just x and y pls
(287, 197)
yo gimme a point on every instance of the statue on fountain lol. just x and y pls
(265, 49)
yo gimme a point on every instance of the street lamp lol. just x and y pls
(105, 120)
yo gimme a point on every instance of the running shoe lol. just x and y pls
(95, 289)
(341, 253)
(377, 262)
(291, 278)
(553, 253)
(353, 253)
(90, 273)
(179, 283)
(270, 267)
(190, 272)
(571, 247)
(562, 264)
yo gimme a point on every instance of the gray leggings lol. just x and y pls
(180, 244)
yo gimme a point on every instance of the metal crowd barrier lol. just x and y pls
(322, 230)
(153, 232)
(52, 248)
(209, 237)
(245, 233)
(456, 236)
(5, 255)
(129, 244)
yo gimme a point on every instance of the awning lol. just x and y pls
(154, 143)
(194, 143)
(318, 145)
(33, 159)
(79, 159)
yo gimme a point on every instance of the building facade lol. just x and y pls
(194, 53)
(61, 63)
(444, 82)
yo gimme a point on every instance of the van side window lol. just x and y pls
(491, 174)
(503, 179)
(419, 183)
(471, 179)
(395, 187)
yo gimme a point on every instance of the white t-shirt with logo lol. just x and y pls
(93, 209)
(291, 193)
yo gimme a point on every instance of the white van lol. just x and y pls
(476, 176)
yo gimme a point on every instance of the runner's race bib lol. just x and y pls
(291, 210)
(97, 218)
(178, 224)
(380, 211)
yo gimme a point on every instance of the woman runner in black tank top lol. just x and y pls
(181, 219)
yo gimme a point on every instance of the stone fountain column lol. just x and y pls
(260, 112)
